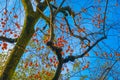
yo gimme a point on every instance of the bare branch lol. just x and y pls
(51, 22)
(42, 15)
(71, 33)
(72, 58)
(39, 10)
(10, 40)
(104, 19)
(58, 9)
(91, 47)
(106, 72)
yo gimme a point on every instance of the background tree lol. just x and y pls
(60, 39)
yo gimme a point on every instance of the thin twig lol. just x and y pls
(104, 19)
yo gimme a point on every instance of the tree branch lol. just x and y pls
(91, 47)
(71, 33)
(58, 9)
(104, 19)
(39, 11)
(107, 70)
(58, 71)
(57, 51)
(72, 58)
(52, 35)
(10, 40)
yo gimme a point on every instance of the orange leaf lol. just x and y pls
(83, 68)
(17, 25)
(15, 35)
(88, 44)
(26, 65)
(4, 46)
(110, 55)
(36, 64)
(99, 9)
(15, 16)
(67, 30)
(62, 53)
(5, 12)
(30, 64)
(67, 50)
(81, 30)
(87, 54)
(71, 34)
(69, 47)
(42, 47)
(0, 30)
(62, 69)
(117, 54)
(11, 32)
(47, 65)
(51, 60)
(38, 49)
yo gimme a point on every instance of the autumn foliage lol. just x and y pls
(54, 39)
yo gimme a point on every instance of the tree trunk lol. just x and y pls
(17, 52)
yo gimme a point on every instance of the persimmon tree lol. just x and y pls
(53, 39)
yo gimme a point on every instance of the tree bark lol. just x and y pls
(18, 50)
